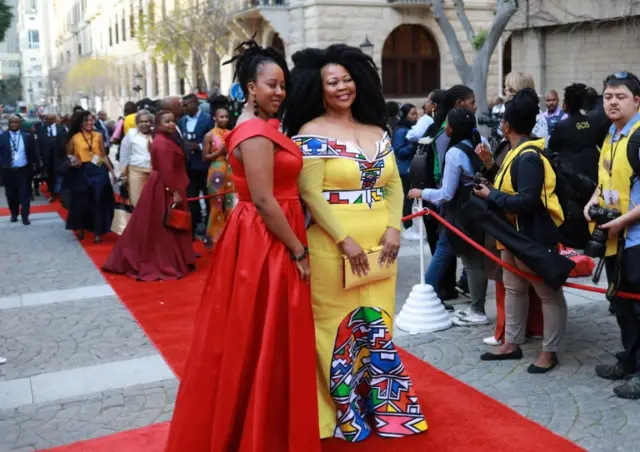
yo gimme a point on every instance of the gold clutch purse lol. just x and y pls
(376, 272)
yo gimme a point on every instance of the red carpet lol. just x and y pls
(460, 418)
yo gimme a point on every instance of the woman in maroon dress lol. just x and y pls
(249, 384)
(147, 250)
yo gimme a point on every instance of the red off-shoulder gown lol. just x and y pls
(147, 250)
(249, 384)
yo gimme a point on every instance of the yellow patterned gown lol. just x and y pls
(359, 371)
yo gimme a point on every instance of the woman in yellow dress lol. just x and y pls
(352, 189)
(219, 175)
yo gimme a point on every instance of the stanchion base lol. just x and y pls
(423, 312)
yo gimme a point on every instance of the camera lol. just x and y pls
(597, 244)
(489, 121)
(479, 179)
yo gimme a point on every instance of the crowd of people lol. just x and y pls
(305, 193)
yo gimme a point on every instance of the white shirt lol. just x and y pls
(419, 128)
(134, 150)
(52, 130)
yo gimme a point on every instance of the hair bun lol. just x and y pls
(526, 102)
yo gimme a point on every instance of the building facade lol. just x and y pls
(9, 48)
(408, 46)
(568, 41)
(31, 54)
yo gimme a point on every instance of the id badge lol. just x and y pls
(611, 198)
(96, 160)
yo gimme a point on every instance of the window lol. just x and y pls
(117, 31)
(110, 36)
(124, 33)
(39, 84)
(34, 39)
(132, 24)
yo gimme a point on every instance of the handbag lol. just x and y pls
(177, 219)
(376, 272)
(121, 215)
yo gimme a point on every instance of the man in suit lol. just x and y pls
(19, 161)
(101, 126)
(51, 145)
(194, 125)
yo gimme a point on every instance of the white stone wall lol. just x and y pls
(559, 56)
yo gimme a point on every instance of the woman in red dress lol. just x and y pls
(249, 384)
(147, 250)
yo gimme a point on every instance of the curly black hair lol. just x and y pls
(305, 101)
(521, 111)
(77, 120)
(250, 60)
(575, 96)
(451, 96)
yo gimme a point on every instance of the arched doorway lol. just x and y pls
(410, 62)
(506, 60)
(278, 44)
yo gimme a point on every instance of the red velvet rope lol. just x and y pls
(507, 266)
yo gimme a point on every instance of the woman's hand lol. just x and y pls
(356, 255)
(112, 174)
(415, 193)
(390, 246)
(177, 199)
(483, 151)
(305, 269)
(481, 191)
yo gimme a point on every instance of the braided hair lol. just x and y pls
(305, 101)
(575, 96)
(251, 58)
(451, 97)
(521, 111)
(462, 122)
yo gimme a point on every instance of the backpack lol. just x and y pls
(422, 166)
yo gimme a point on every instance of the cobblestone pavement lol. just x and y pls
(41, 426)
(61, 336)
(570, 401)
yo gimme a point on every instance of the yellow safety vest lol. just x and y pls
(548, 195)
(614, 180)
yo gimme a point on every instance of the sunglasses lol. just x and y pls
(623, 75)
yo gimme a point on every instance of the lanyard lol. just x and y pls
(612, 156)
(89, 143)
(15, 142)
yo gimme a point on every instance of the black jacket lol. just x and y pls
(52, 150)
(534, 221)
(33, 161)
(576, 140)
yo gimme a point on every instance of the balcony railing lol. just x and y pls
(248, 4)
(409, 3)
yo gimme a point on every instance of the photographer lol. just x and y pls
(618, 240)
(525, 194)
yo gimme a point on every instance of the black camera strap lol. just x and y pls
(616, 278)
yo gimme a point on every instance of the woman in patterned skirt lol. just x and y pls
(351, 185)
(219, 176)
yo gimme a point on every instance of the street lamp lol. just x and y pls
(367, 46)
(137, 83)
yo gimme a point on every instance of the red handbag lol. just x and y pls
(177, 219)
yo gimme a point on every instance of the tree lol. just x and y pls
(93, 77)
(6, 17)
(10, 90)
(483, 42)
(197, 28)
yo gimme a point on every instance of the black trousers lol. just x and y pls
(408, 203)
(51, 177)
(197, 187)
(17, 183)
(627, 311)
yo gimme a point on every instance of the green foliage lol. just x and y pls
(479, 39)
(10, 90)
(186, 30)
(6, 16)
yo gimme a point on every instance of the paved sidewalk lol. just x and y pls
(61, 323)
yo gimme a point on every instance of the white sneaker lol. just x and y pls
(469, 318)
(410, 234)
(491, 341)
(3, 360)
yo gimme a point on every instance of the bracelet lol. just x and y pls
(302, 257)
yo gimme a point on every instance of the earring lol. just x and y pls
(255, 108)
